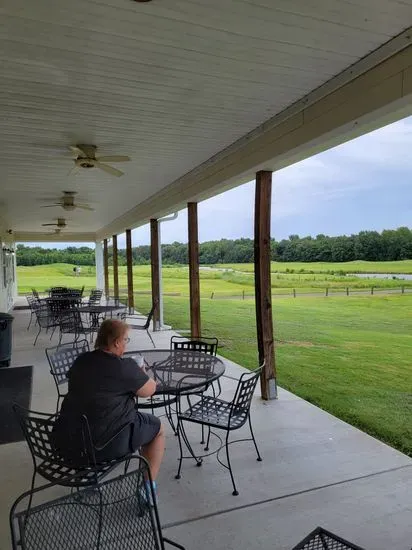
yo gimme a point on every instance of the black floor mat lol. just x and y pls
(15, 387)
(21, 307)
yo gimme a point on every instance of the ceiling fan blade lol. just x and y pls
(51, 205)
(73, 171)
(45, 224)
(109, 169)
(77, 151)
(113, 158)
(84, 207)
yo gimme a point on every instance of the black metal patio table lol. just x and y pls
(98, 309)
(179, 371)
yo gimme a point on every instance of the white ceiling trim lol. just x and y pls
(28, 237)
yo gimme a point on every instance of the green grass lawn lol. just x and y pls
(348, 355)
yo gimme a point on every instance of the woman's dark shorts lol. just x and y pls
(146, 428)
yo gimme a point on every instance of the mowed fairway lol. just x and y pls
(349, 355)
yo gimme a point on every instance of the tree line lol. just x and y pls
(389, 245)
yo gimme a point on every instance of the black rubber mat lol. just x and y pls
(15, 387)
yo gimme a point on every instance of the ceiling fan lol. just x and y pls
(60, 224)
(67, 202)
(86, 158)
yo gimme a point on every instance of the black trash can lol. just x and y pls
(6, 321)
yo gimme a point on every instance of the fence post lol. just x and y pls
(347, 291)
(327, 291)
(211, 296)
(294, 292)
(372, 290)
(403, 289)
(243, 294)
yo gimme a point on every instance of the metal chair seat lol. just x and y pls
(216, 413)
(62, 473)
(321, 539)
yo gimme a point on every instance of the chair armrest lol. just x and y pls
(172, 543)
(117, 434)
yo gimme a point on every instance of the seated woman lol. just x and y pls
(103, 386)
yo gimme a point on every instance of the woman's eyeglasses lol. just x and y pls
(126, 340)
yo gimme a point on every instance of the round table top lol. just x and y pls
(99, 308)
(177, 371)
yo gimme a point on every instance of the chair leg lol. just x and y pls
(31, 317)
(31, 490)
(235, 491)
(168, 411)
(182, 434)
(259, 458)
(35, 340)
(177, 476)
(150, 336)
(208, 439)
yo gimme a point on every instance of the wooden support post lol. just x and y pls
(115, 268)
(263, 290)
(129, 263)
(155, 261)
(106, 268)
(195, 323)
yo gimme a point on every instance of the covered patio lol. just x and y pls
(316, 470)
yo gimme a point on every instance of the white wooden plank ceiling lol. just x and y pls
(169, 83)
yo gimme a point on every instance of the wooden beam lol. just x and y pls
(263, 291)
(129, 263)
(115, 267)
(195, 323)
(154, 253)
(106, 268)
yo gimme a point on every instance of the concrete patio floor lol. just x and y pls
(316, 470)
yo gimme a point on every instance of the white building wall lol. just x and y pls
(8, 275)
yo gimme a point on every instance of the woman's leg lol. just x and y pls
(153, 452)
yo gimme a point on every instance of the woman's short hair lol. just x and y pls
(110, 331)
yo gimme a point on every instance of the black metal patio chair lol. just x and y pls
(45, 319)
(111, 515)
(219, 414)
(60, 359)
(95, 297)
(205, 345)
(71, 322)
(32, 302)
(124, 316)
(320, 539)
(38, 429)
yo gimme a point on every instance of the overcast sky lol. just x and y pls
(364, 184)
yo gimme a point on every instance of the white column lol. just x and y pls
(159, 225)
(98, 255)
(15, 290)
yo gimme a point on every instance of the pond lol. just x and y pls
(404, 276)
